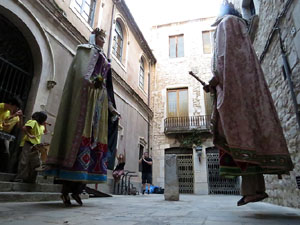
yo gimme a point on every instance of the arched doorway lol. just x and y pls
(16, 74)
(16, 63)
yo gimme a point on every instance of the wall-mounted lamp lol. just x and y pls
(51, 84)
(198, 150)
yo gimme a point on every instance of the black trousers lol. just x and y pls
(72, 187)
(4, 157)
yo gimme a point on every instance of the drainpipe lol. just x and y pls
(149, 97)
(111, 26)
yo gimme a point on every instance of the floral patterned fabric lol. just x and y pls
(246, 129)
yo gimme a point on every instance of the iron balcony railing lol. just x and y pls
(186, 124)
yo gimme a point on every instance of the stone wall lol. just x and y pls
(285, 191)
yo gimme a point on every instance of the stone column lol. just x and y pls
(171, 178)
(200, 172)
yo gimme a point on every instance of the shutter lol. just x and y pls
(172, 103)
(206, 42)
(183, 102)
(180, 46)
(172, 50)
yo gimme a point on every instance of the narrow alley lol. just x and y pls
(150, 210)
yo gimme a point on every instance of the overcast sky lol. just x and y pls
(153, 12)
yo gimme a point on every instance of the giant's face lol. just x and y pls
(100, 40)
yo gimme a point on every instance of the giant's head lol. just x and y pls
(99, 37)
(227, 8)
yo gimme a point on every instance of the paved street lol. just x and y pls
(149, 210)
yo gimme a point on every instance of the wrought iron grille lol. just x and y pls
(14, 81)
(216, 183)
(185, 173)
(15, 62)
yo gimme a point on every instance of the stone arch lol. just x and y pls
(43, 63)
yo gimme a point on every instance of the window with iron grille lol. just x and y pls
(86, 8)
(177, 102)
(207, 40)
(142, 74)
(176, 46)
(118, 41)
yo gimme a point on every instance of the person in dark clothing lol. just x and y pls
(119, 170)
(146, 162)
(75, 188)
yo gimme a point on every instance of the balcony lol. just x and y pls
(176, 125)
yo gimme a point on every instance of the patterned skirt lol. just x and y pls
(91, 160)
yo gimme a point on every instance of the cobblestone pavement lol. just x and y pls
(149, 210)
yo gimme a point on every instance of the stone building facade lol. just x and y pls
(178, 99)
(265, 13)
(49, 31)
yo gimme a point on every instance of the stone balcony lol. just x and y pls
(188, 124)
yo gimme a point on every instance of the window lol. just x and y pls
(252, 8)
(142, 74)
(248, 9)
(86, 8)
(207, 38)
(176, 46)
(118, 42)
(177, 102)
(251, 14)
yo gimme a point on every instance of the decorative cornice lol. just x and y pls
(202, 19)
(132, 93)
(58, 13)
(136, 30)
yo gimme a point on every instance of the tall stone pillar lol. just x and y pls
(171, 178)
(200, 171)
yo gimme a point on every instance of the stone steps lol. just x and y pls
(40, 179)
(43, 190)
(17, 186)
(7, 176)
(29, 196)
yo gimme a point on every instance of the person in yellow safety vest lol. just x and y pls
(33, 129)
(10, 116)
